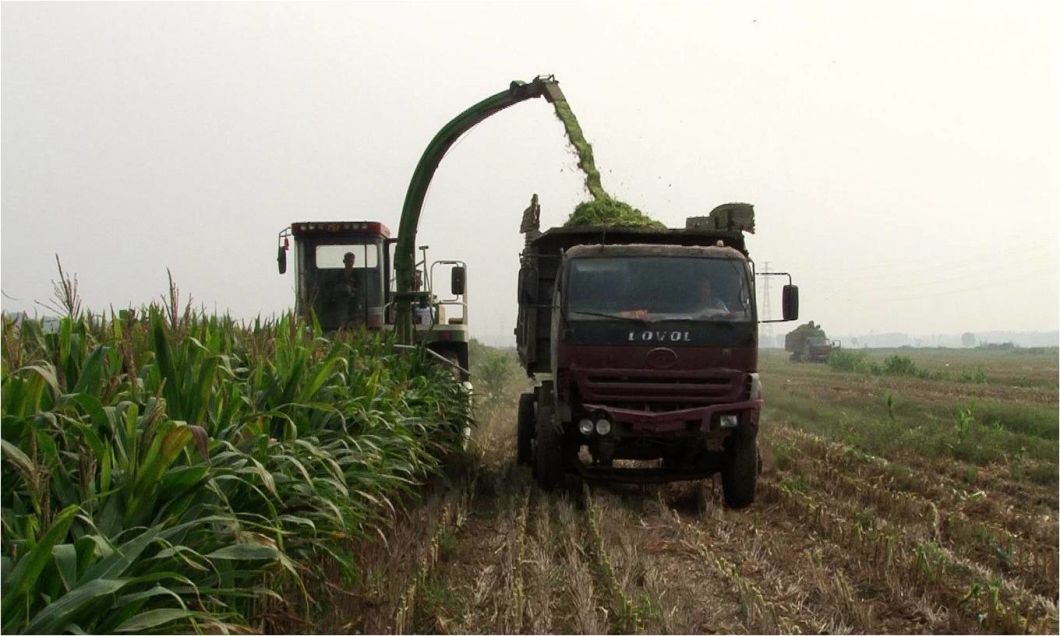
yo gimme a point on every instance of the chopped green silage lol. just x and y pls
(584, 150)
(602, 209)
(611, 212)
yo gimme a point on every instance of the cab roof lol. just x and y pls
(558, 239)
(339, 228)
(640, 249)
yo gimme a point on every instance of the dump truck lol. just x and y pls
(809, 343)
(642, 345)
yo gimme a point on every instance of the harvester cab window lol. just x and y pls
(332, 256)
(347, 284)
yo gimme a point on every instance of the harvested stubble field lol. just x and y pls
(887, 503)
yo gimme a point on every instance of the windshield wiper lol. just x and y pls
(642, 321)
(704, 321)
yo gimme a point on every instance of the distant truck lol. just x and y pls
(643, 345)
(809, 343)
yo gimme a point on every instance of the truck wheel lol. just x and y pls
(525, 429)
(739, 475)
(549, 468)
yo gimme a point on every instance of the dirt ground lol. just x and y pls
(838, 541)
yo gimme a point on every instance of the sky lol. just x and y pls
(902, 157)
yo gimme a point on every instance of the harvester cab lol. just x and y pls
(344, 277)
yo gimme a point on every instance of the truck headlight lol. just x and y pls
(729, 421)
(603, 426)
(585, 426)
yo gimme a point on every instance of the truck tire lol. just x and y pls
(525, 429)
(549, 468)
(739, 474)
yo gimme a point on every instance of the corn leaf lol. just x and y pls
(156, 618)
(29, 567)
(57, 615)
(248, 551)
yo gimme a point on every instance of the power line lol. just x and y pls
(767, 306)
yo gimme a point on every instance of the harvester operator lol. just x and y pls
(348, 291)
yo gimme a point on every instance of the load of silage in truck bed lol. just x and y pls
(610, 212)
(602, 209)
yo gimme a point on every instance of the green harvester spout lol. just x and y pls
(404, 255)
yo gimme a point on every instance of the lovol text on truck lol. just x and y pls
(642, 344)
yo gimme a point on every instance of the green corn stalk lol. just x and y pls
(195, 472)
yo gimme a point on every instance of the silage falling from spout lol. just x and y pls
(582, 147)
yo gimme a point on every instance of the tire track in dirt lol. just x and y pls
(520, 563)
(739, 571)
(588, 610)
(543, 569)
(664, 590)
(790, 580)
(477, 586)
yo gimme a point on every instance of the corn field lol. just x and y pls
(180, 472)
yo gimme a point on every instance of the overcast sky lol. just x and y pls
(902, 157)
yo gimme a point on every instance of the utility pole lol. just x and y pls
(767, 306)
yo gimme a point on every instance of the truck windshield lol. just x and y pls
(659, 288)
(343, 282)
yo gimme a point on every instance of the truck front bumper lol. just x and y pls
(703, 419)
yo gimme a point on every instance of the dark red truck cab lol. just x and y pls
(643, 345)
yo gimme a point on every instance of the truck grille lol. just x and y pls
(658, 390)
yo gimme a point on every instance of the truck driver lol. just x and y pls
(706, 301)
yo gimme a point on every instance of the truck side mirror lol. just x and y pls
(790, 301)
(281, 259)
(457, 280)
